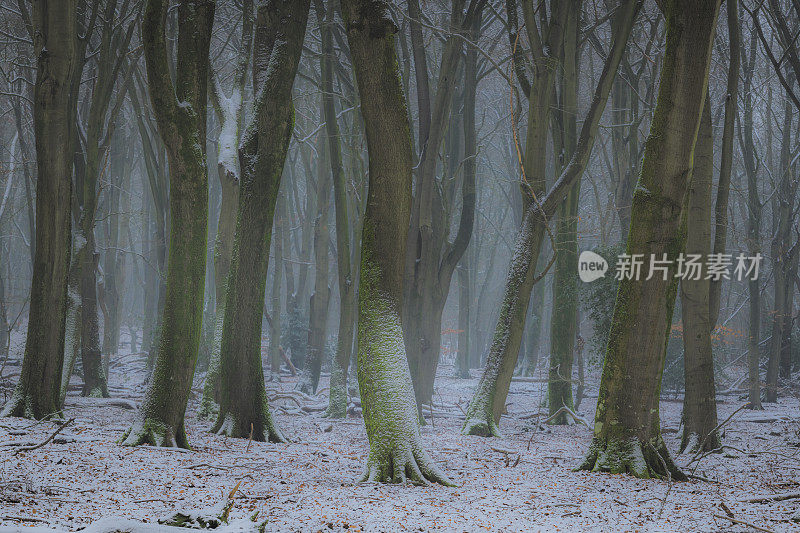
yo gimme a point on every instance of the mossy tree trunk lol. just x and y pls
(627, 432)
(700, 401)
(486, 406)
(565, 290)
(37, 393)
(229, 109)
(387, 394)
(274, 347)
(180, 110)
(280, 29)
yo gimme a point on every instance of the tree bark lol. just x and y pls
(280, 29)
(565, 290)
(229, 109)
(37, 393)
(627, 432)
(180, 110)
(387, 394)
(488, 401)
(700, 401)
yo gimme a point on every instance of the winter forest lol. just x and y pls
(399, 265)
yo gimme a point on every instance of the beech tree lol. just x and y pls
(486, 406)
(387, 395)
(280, 29)
(37, 393)
(627, 433)
(180, 110)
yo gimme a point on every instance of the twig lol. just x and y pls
(743, 523)
(570, 412)
(37, 446)
(766, 498)
(25, 519)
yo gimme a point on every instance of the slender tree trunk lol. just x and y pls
(488, 401)
(463, 359)
(180, 111)
(726, 157)
(627, 432)
(337, 406)
(387, 394)
(700, 401)
(565, 289)
(274, 347)
(318, 305)
(37, 392)
(280, 29)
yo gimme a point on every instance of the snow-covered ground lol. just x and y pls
(521, 482)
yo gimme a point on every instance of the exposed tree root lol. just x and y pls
(155, 433)
(19, 405)
(631, 456)
(693, 443)
(482, 426)
(263, 430)
(401, 465)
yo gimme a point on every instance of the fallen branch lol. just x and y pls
(37, 446)
(766, 498)
(743, 523)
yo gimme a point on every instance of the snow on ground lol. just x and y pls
(521, 482)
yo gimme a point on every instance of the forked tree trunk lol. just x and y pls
(627, 431)
(229, 111)
(700, 400)
(37, 393)
(280, 29)
(180, 111)
(486, 406)
(387, 395)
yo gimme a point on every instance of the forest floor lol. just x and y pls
(521, 482)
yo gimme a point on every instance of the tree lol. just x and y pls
(280, 29)
(387, 395)
(432, 258)
(627, 432)
(563, 324)
(180, 110)
(229, 110)
(700, 399)
(486, 406)
(55, 31)
(337, 403)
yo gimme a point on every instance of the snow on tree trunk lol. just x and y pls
(244, 412)
(387, 395)
(627, 432)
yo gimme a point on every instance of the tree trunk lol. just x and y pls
(463, 359)
(318, 305)
(345, 218)
(180, 111)
(488, 401)
(274, 347)
(726, 158)
(753, 233)
(627, 432)
(700, 401)
(229, 111)
(387, 394)
(38, 390)
(565, 289)
(280, 29)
